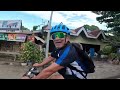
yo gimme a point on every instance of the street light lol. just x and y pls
(48, 35)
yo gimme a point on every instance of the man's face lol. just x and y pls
(59, 39)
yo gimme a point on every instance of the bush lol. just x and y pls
(107, 50)
(112, 55)
(118, 56)
(30, 52)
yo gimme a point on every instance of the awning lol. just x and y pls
(38, 38)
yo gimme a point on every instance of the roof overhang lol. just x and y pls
(38, 38)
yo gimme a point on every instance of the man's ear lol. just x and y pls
(68, 37)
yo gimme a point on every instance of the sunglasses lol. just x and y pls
(58, 35)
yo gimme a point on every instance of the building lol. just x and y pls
(12, 36)
(88, 39)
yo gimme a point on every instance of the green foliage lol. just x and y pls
(111, 18)
(24, 28)
(92, 27)
(107, 50)
(112, 55)
(118, 56)
(87, 27)
(30, 51)
(35, 28)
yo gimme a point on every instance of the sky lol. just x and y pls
(72, 19)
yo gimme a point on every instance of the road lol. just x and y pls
(12, 72)
(114, 77)
(104, 70)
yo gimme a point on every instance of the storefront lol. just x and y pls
(11, 42)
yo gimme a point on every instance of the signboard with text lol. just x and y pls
(16, 37)
(10, 24)
(3, 36)
(20, 37)
(11, 37)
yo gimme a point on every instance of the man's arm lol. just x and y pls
(48, 71)
(45, 61)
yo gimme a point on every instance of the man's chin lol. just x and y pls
(58, 47)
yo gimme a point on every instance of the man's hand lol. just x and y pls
(36, 65)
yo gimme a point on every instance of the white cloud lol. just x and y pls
(83, 17)
(41, 14)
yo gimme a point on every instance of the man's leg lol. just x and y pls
(25, 77)
(52, 77)
(56, 77)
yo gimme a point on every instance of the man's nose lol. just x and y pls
(57, 38)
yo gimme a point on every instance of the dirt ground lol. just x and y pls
(8, 71)
(13, 70)
(105, 70)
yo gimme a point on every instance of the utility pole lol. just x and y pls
(48, 35)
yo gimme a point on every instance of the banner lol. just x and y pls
(20, 37)
(16, 37)
(11, 37)
(10, 24)
(3, 36)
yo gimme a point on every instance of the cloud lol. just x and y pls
(41, 14)
(72, 19)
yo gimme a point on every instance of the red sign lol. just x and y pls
(31, 38)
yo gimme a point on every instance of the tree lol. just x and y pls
(86, 27)
(111, 18)
(92, 27)
(24, 28)
(35, 28)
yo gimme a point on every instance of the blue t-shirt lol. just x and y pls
(66, 57)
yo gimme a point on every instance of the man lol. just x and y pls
(65, 57)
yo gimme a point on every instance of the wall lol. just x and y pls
(86, 40)
(10, 46)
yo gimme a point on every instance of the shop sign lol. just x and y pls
(16, 37)
(3, 36)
